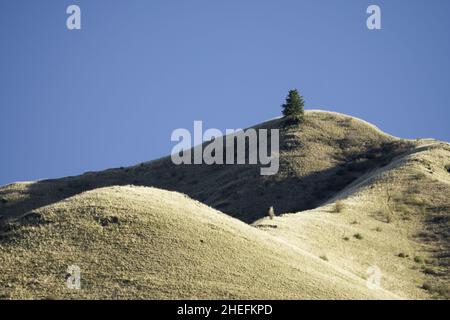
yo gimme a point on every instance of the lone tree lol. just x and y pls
(293, 107)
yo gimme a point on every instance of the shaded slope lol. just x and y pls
(317, 159)
(397, 218)
(137, 242)
(146, 243)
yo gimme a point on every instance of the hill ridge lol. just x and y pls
(306, 157)
(347, 198)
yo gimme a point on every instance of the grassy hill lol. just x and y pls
(395, 218)
(348, 196)
(318, 159)
(137, 242)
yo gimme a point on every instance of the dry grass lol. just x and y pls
(422, 198)
(323, 156)
(139, 242)
(146, 243)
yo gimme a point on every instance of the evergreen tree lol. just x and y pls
(294, 106)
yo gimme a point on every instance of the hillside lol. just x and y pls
(322, 157)
(396, 218)
(348, 197)
(137, 242)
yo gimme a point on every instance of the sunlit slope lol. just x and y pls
(380, 202)
(136, 242)
(317, 159)
(396, 218)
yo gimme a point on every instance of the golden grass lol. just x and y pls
(410, 250)
(146, 243)
(322, 156)
(141, 242)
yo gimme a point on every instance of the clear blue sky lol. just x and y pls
(110, 94)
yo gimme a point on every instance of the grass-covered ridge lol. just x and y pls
(138, 242)
(348, 197)
(318, 158)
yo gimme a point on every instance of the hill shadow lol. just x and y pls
(238, 190)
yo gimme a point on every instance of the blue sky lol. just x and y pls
(110, 94)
